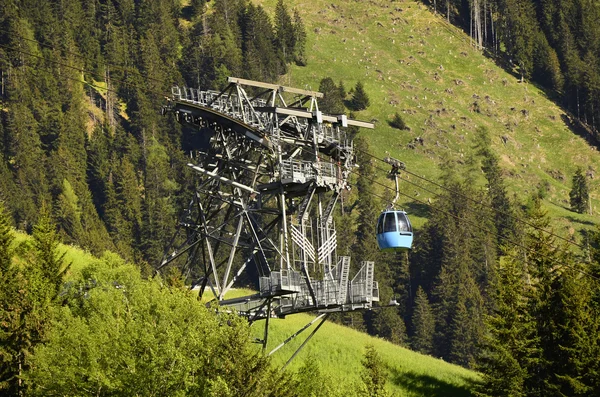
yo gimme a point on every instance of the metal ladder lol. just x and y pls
(344, 273)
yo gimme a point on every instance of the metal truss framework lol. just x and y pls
(269, 179)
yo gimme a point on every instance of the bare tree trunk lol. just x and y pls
(109, 100)
(20, 382)
(471, 23)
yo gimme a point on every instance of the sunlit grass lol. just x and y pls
(339, 351)
(75, 257)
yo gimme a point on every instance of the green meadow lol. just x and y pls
(339, 351)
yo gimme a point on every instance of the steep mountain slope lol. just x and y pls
(413, 62)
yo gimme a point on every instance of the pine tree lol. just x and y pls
(387, 323)
(365, 247)
(457, 263)
(466, 327)
(312, 381)
(519, 29)
(398, 122)
(8, 360)
(546, 67)
(374, 375)
(47, 258)
(504, 216)
(158, 213)
(423, 324)
(365, 244)
(332, 102)
(259, 52)
(511, 349)
(284, 32)
(28, 294)
(342, 89)
(6, 239)
(300, 40)
(579, 193)
(576, 328)
(360, 99)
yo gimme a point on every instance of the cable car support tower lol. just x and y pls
(269, 170)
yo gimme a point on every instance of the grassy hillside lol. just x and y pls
(414, 63)
(339, 350)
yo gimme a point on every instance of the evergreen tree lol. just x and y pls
(284, 32)
(466, 327)
(455, 260)
(360, 99)
(423, 323)
(299, 40)
(546, 67)
(374, 375)
(332, 102)
(504, 216)
(519, 28)
(47, 258)
(342, 89)
(511, 349)
(28, 294)
(576, 328)
(398, 122)
(387, 323)
(258, 46)
(365, 247)
(312, 381)
(26, 154)
(158, 213)
(6, 239)
(365, 244)
(68, 214)
(8, 360)
(579, 193)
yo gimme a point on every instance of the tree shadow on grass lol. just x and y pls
(425, 385)
(580, 129)
(580, 221)
(417, 209)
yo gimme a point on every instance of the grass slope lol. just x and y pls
(413, 62)
(75, 256)
(339, 350)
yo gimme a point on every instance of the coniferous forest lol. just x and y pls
(87, 159)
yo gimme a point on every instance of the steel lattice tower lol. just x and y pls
(268, 180)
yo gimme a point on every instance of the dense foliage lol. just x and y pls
(99, 155)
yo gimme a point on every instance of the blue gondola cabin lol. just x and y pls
(394, 231)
